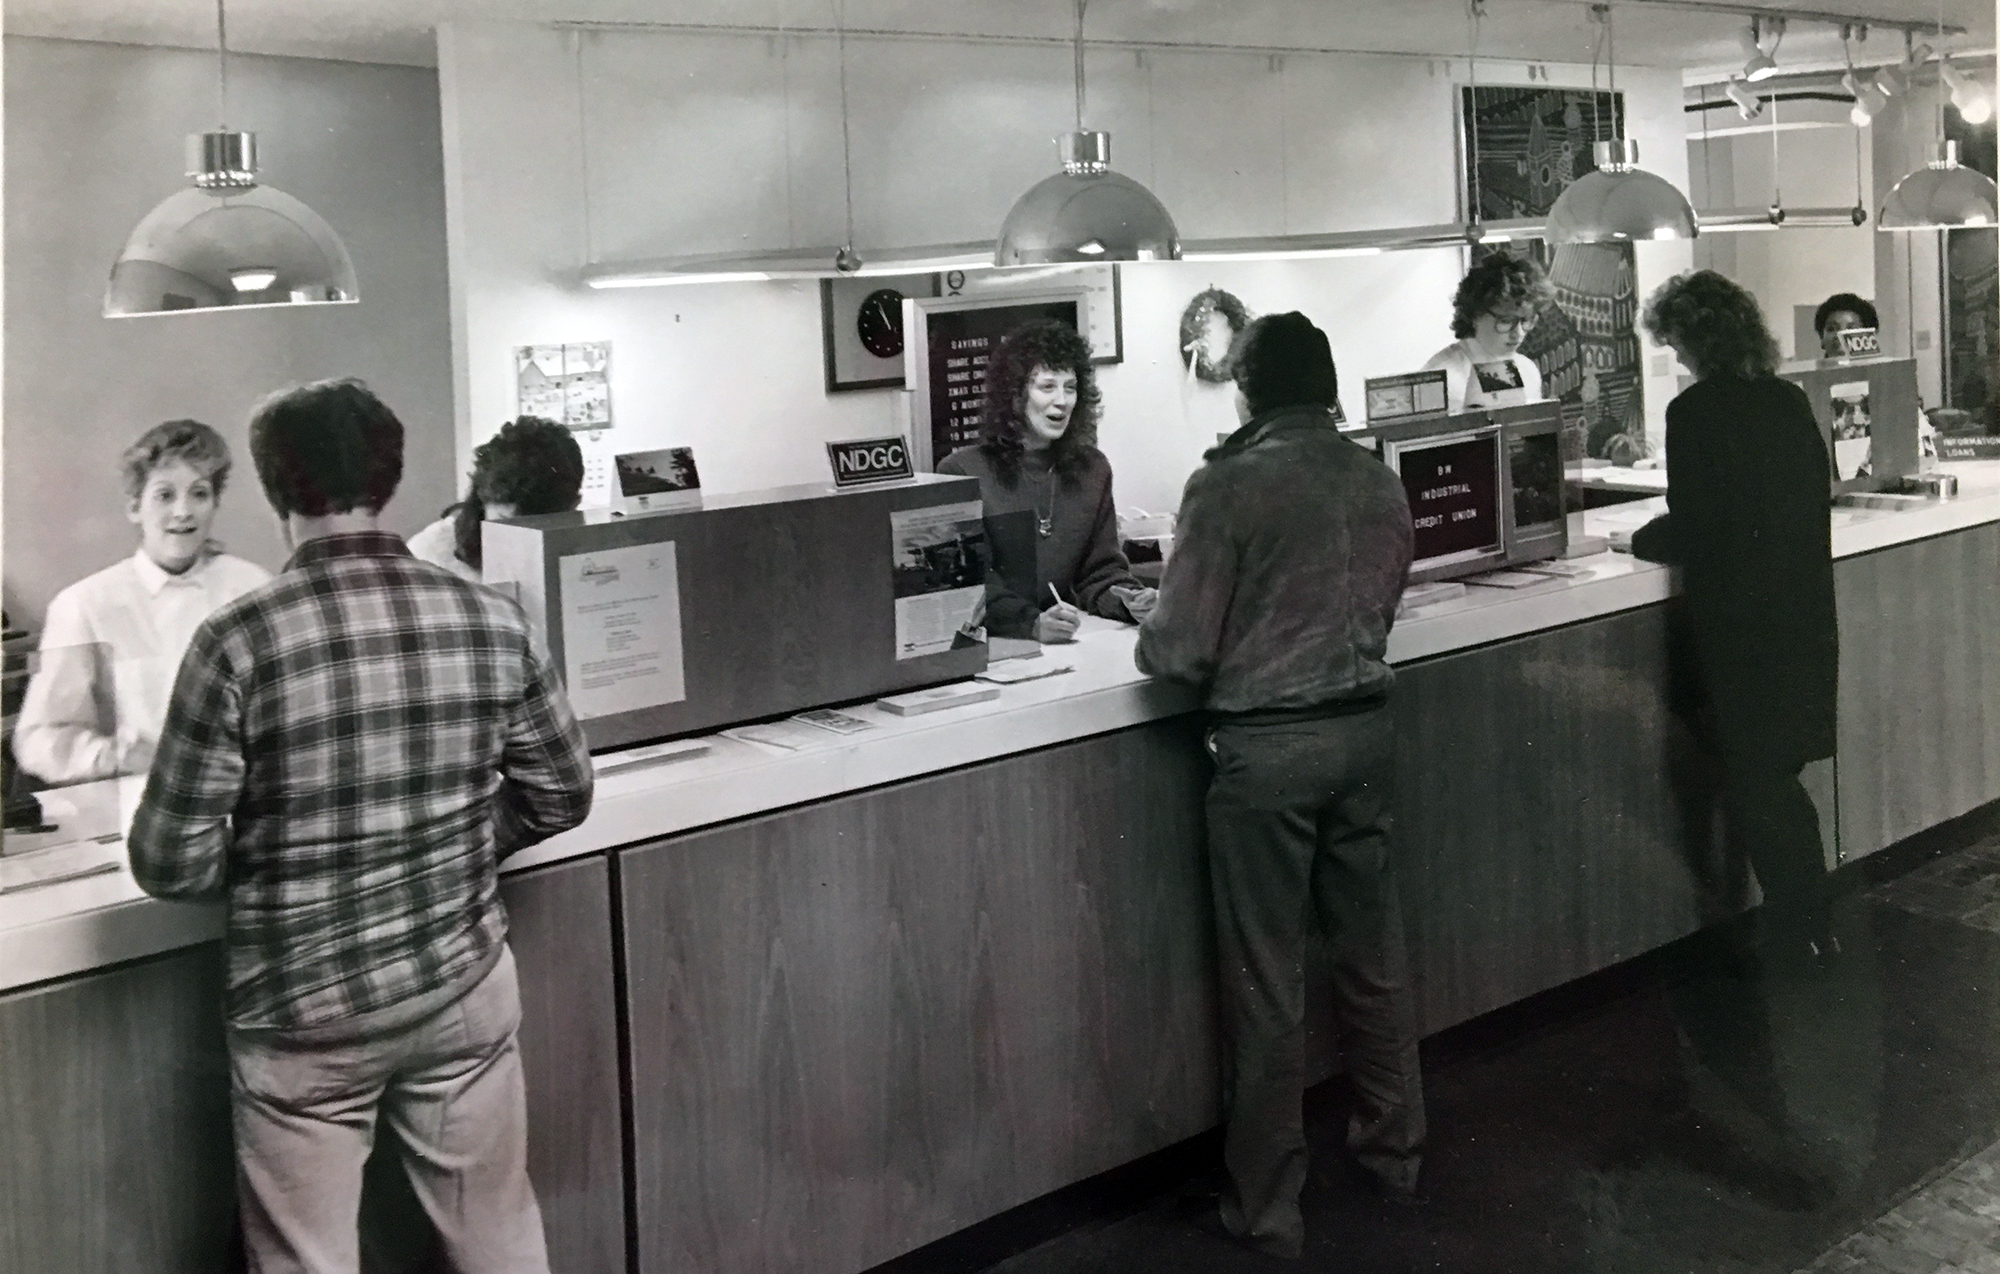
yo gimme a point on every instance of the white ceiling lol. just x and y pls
(1519, 30)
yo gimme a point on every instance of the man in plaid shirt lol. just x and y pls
(349, 752)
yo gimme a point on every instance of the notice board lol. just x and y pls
(949, 340)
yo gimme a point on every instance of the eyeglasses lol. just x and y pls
(1517, 323)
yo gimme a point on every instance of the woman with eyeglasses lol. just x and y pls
(1491, 314)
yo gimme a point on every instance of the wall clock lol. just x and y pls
(861, 328)
(880, 323)
(1209, 325)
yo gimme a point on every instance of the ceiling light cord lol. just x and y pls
(1474, 11)
(1079, 65)
(221, 67)
(846, 142)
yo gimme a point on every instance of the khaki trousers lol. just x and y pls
(1298, 818)
(451, 1087)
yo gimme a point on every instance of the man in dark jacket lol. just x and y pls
(1291, 552)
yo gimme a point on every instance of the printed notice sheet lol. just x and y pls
(940, 560)
(621, 627)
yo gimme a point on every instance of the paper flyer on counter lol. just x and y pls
(621, 626)
(940, 558)
(1852, 434)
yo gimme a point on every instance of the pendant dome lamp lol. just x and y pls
(1943, 194)
(1620, 201)
(227, 242)
(1086, 212)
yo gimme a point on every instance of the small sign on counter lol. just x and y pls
(939, 558)
(866, 461)
(1401, 397)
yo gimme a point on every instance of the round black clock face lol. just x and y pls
(880, 323)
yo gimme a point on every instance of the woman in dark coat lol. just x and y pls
(1748, 490)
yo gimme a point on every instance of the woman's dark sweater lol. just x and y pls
(1748, 523)
(1080, 555)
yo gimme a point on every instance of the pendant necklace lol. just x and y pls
(1045, 526)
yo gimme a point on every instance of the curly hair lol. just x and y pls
(188, 441)
(325, 448)
(1853, 304)
(533, 464)
(1061, 348)
(1715, 323)
(1500, 278)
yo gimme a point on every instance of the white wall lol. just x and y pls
(1815, 168)
(94, 140)
(688, 144)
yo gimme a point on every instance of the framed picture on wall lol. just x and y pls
(861, 328)
(1104, 297)
(1519, 149)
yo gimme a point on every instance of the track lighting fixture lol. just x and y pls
(1973, 103)
(1761, 65)
(1748, 104)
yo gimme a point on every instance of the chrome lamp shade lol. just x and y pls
(228, 243)
(1620, 202)
(1942, 194)
(1086, 213)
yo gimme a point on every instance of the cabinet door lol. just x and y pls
(1919, 689)
(115, 1149)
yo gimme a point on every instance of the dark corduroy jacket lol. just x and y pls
(1748, 490)
(1290, 554)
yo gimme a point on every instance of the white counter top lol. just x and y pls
(61, 929)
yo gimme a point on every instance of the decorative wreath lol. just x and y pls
(1197, 352)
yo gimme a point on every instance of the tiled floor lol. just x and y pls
(1951, 1226)
(1964, 887)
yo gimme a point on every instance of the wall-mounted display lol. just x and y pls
(950, 341)
(570, 384)
(1103, 292)
(1209, 325)
(861, 328)
(1520, 149)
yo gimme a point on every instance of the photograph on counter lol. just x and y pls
(657, 472)
(567, 383)
(1852, 439)
(1522, 148)
(940, 563)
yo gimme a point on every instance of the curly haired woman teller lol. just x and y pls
(1748, 490)
(1050, 520)
(531, 466)
(1491, 314)
(114, 640)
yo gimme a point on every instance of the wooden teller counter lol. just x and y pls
(809, 998)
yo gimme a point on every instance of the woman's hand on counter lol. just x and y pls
(1058, 624)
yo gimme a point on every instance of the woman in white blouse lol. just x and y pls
(1491, 314)
(113, 641)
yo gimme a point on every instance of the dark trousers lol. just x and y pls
(1298, 818)
(1772, 822)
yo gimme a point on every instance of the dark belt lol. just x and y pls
(1289, 716)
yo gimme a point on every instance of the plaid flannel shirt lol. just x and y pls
(349, 752)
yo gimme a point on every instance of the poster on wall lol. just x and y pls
(621, 627)
(1522, 147)
(569, 384)
(939, 555)
(1971, 271)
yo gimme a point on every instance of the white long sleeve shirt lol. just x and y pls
(109, 651)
